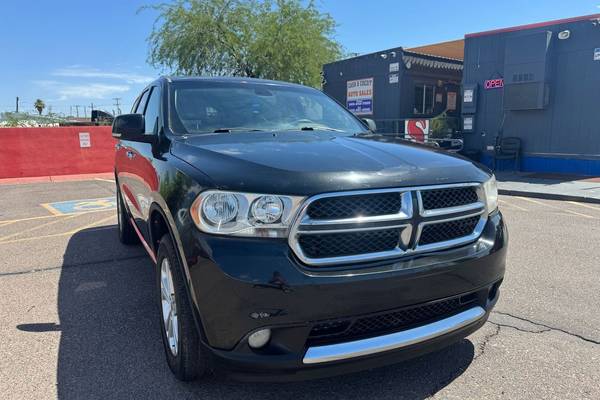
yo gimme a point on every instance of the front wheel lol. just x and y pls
(180, 336)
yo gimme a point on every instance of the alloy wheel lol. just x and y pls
(169, 306)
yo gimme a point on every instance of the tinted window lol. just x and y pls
(152, 111)
(141, 104)
(205, 107)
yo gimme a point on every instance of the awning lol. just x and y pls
(431, 62)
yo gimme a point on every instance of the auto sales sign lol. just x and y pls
(359, 96)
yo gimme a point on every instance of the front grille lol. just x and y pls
(355, 206)
(348, 243)
(449, 230)
(342, 330)
(448, 197)
(370, 225)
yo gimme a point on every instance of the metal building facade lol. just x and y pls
(397, 76)
(540, 83)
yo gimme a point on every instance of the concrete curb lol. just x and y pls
(57, 178)
(549, 196)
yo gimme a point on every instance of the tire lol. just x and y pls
(127, 233)
(184, 355)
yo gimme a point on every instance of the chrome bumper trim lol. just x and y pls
(357, 348)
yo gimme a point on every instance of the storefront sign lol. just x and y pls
(393, 78)
(494, 83)
(359, 96)
(417, 129)
(394, 67)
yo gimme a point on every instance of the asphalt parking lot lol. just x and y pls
(78, 319)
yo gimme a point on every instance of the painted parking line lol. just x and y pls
(562, 209)
(35, 228)
(79, 206)
(512, 205)
(584, 205)
(68, 233)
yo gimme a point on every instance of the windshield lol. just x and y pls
(205, 107)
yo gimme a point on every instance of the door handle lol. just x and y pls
(130, 154)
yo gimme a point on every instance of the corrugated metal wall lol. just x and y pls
(569, 126)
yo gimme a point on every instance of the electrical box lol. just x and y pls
(469, 98)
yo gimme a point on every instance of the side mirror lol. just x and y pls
(370, 124)
(131, 127)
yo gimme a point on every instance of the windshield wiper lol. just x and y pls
(315, 128)
(229, 130)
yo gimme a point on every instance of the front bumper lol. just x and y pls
(241, 285)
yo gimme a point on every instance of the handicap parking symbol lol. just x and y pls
(80, 206)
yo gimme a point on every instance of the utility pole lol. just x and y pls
(77, 110)
(17, 104)
(70, 111)
(85, 111)
(117, 99)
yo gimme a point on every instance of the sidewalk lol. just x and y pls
(550, 186)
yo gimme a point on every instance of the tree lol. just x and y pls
(272, 39)
(39, 105)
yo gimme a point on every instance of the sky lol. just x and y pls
(77, 53)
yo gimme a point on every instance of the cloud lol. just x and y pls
(89, 91)
(93, 90)
(77, 71)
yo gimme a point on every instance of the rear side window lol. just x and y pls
(152, 111)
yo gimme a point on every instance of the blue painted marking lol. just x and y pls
(548, 164)
(77, 206)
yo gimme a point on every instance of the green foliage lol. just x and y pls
(39, 105)
(442, 124)
(272, 39)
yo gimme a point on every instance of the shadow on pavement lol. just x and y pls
(110, 344)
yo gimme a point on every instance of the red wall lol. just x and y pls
(28, 152)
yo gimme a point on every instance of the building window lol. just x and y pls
(424, 99)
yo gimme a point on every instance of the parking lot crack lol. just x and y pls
(486, 340)
(522, 323)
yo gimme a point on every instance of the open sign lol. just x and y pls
(494, 83)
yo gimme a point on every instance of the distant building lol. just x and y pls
(539, 83)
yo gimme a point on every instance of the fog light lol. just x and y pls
(259, 338)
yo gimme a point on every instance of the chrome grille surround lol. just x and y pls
(410, 221)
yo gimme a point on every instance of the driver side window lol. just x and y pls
(152, 111)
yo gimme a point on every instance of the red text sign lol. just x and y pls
(494, 83)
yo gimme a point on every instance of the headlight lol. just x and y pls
(220, 208)
(244, 214)
(490, 188)
(267, 209)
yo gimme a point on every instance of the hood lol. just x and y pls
(306, 163)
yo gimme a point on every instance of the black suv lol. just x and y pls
(290, 240)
